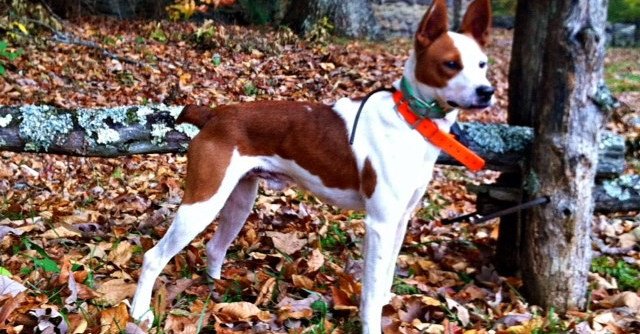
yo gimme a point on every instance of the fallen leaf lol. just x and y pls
(266, 291)
(113, 320)
(459, 310)
(287, 243)
(10, 287)
(289, 308)
(301, 281)
(114, 291)
(4, 230)
(49, 321)
(239, 311)
(180, 324)
(62, 231)
(8, 305)
(629, 299)
(315, 261)
(121, 255)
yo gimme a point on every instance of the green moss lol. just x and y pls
(97, 123)
(622, 187)
(627, 276)
(132, 116)
(188, 129)
(5, 120)
(43, 126)
(499, 138)
(158, 133)
(532, 183)
(610, 139)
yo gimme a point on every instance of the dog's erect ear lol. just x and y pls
(477, 21)
(433, 24)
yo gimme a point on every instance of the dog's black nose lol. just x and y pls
(485, 93)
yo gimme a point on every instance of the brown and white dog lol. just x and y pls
(385, 171)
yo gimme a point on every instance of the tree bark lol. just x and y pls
(458, 9)
(565, 42)
(526, 60)
(350, 18)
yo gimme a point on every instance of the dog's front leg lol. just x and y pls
(379, 255)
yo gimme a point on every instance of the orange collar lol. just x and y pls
(435, 136)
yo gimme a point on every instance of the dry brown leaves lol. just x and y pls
(73, 230)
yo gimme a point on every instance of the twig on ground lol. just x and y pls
(608, 250)
(61, 37)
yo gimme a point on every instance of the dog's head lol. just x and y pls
(452, 66)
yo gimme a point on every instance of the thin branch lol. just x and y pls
(61, 37)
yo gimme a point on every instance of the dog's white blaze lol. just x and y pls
(462, 88)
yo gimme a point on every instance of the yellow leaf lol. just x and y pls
(301, 281)
(113, 320)
(238, 311)
(114, 291)
(21, 27)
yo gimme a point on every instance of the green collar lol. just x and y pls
(422, 109)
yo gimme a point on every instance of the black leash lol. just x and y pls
(477, 218)
(355, 121)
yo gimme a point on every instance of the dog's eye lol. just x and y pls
(452, 65)
(483, 64)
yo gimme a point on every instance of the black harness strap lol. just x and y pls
(355, 121)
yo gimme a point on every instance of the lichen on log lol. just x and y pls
(104, 132)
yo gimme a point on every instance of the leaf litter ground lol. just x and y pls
(73, 230)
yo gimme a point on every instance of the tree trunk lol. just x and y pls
(526, 65)
(565, 42)
(458, 9)
(350, 18)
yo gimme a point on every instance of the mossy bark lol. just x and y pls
(103, 132)
(350, 18)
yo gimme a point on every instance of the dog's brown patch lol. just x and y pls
(434, 49)
(432, 60)
(369, 178)
(195, 114)
(313, 135)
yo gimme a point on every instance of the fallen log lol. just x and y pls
(118, 131)
(99, 132)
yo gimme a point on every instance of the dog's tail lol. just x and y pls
(196, 115)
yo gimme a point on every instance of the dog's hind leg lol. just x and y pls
(232, 218)
(192, 217)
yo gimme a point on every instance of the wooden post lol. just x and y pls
(566, 43)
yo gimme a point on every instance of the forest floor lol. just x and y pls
(73, 230)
